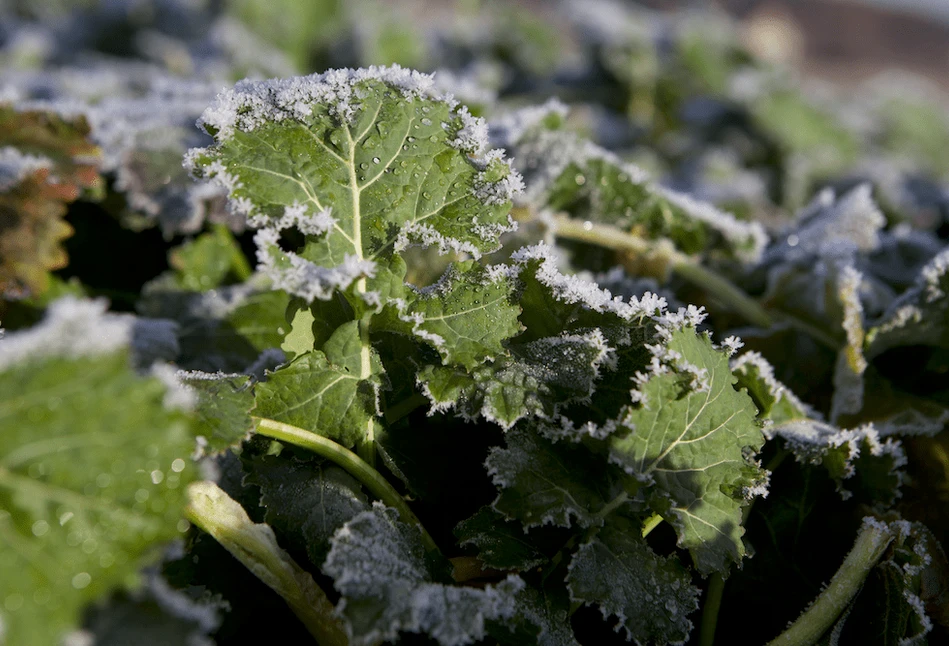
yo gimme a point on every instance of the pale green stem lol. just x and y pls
(713, 603)
(687, 268)
(651, 523)
(356, 466)
(872, 541)
(255, 545)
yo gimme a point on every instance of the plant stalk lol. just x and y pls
(255, 545)
(356, 466)
(872, 541)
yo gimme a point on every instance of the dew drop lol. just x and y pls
(376, 160)
(364, 165)
(183, 526)
(178, 465)
(588, 226)
(141, 495)
(81, 580)
(427, 195)
(411, 139)
(433, 139)
(65, 518)
(40, 528)
(580, 180)
(426, 121)
(157, 476)
(793, 240)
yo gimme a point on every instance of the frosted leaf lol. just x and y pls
(650, 595)
(380, 159)
(509, 129)
(465, 316)
(566, 173)
(547, 483)
(535, 379)
(846, 453)
(832, 226)
(776, 403)
(689, 442)
(389, 585)
(920, 316)
(72, 328)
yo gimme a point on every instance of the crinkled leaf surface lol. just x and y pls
(305, 501)
(324, 392)
(540, 616)
(536, 378)
(501, 544)
(362, 162)
(389, 585)
(93, 468)
(465, 316)
(590, 183)
(223, 406)
(545, 483)
(652, 596)
(689, 445)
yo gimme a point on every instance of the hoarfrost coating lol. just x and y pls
(72, 328)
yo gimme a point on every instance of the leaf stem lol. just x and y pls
(356, 466)
(872, 540)
(255, 545)
(713, 603)
(651, 523)
(718, 286)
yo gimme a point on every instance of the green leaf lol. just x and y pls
(389, 585)
(652, 596)
(93, 468)
(540, 616)
(567, 173)
(466, 316)
(362, 163)
(223, 408)
(211, 260)
(920, 316)
(305, 501)
(687, 440)
(775, 401)
(501, 544)
(535, 379)
(224, 329)
(543, 483)
(324, 391)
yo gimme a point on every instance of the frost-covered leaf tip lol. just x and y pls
(363, 163)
